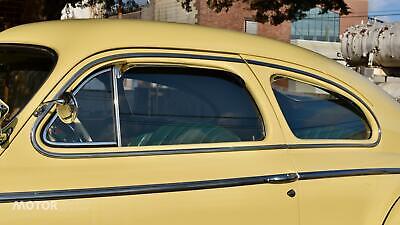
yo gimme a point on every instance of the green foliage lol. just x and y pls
(275, 11)
(271, 11)
(52, 8)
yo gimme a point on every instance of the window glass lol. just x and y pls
(95, 121)
(169, 105)
(317, 26)
(251, 27)
(23, 70)
(316, 113)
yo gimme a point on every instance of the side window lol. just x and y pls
(316, 113)
(170, 105)
(95, 122)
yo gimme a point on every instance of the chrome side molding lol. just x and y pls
(284, 178)
(187, 186)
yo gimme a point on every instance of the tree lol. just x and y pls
(52, 8)
(276, 11)
(272, 11)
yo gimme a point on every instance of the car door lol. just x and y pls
(346, 175)
(161, 136)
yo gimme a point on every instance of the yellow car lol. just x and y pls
(128, 122)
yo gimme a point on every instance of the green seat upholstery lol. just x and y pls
(339, 131)
(185, 134)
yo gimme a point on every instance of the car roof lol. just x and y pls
(82, 38)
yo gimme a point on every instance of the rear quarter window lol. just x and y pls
(316, 113)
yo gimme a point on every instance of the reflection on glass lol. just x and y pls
(95, 123)
(315, 113)
(165, 106)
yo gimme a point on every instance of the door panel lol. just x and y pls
(252, 200)
(354, 198)
(341, 181)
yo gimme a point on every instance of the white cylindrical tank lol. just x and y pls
(382, 40)
(388, 49)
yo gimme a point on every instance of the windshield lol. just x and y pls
(23, 70)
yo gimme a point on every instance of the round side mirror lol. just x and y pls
(67, 108)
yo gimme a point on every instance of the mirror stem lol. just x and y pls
(41, 108)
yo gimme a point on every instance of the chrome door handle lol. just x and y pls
(283, 178)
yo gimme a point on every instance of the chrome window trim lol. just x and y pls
(116, 74)
(54, 117)
(108, 154)
(194, 150)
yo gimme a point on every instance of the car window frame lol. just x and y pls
(162, 149)
(326, 82)
(234, 77)
(363, 118)
(74, 92)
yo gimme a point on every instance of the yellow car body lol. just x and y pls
(277, 179)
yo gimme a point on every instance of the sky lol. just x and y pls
(389, 8)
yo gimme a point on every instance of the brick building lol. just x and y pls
(239, 18)
(359, 13)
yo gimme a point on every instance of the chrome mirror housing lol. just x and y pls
(67, 108)
(4, 109)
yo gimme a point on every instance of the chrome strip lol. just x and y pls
(132, 190)
(9, 197)
(158, 152)
(115, 75)
(88, 79)
(347, 173)
(46, 128)
(195, 150)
